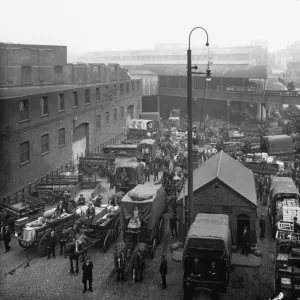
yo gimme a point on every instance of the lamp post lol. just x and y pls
(190, 122)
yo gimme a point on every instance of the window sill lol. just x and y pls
(47, 115)
(87, 104)
(107, 125)
(59, 146)
(61, 111)
(98, 129)
(45, 153)
(25, 163)
(24, 121)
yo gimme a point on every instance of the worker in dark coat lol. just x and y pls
(62, 241)
(52, 241)
(163, 270)
(87, 269)
(6, 239)
(246, 241)
(98, 201)
(173, 226)
(60, 209)
(262, 225)
(156, 171)
(81, 200)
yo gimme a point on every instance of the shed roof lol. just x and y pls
(230, 172)
(278, 144)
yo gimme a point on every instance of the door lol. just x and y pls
(242, 221)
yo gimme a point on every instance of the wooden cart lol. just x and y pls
(40, 234)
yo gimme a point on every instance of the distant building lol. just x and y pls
(52, 112)
(174, 54)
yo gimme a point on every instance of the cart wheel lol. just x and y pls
(47, 197)
(25, 244)
(42, 247)
(106, 243)
(117, 230)
(153, 248)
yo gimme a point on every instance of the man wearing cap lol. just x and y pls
(6, 239)
(81, 200)
(163, 270)
(87, 269)
(52, 241)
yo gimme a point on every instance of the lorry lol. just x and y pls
(207, 254)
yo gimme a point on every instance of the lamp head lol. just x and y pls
(208, 75)
(207, 44)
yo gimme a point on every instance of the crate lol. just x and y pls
(286, 283)
(285, 272)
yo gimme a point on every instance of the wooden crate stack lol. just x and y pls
(290, 209)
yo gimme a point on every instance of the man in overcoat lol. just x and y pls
(6, 238)
(262, 225)
(52, 241)
(87, 269)
(246, 241)
(163, 270)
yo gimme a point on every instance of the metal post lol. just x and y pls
(190, 137)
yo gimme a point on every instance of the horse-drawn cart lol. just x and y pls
(142, 223)
(37, 232)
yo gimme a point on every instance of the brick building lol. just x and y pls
(51, 112)
(222, 185)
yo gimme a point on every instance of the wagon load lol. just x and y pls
(49, 213)
(148, 211)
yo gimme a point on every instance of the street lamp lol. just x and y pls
(190, 121)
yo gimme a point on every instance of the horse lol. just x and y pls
(75, 250)
(138, 264)
(120, 259)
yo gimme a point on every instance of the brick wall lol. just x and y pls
(213, 200)
(37, 125)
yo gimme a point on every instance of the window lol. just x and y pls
(107, 118)
(58, 71)
(87, 97)
(24, 110)
(26, 74)
(75, 99)
(138, 85)
(127, 88)
(45, 143)
(122, 89)
(61, 102)
(115, 115)
(61, 137)
(24, 150)
(132, 86)
(98, 122)
(138, 104)
(122, 111)
(97, 94)
(44, 104)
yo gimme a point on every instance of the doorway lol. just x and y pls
(242, 221)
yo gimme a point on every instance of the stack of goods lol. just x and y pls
(290, 209)
(112, 211)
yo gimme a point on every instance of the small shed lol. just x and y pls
(222, 185)
(277, 145)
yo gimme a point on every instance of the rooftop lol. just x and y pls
(229, 171)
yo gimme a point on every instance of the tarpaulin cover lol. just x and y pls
(277, 181)
(150, 210)
(210, 231)
(133, 169)
(277, 144)
(140, 124)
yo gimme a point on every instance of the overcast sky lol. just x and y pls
(90, 25)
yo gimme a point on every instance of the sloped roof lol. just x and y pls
(229, 171)
(278, 144)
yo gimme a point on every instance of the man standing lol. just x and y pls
(111, 178)
(87, 269)
(81, 200)
(52, 241)
(173, 226)
(262, 225)
(59, 209)
(62, 241)
(147, 173)
(163, 270)
(6, 239)
(155, 171)
(246, 241)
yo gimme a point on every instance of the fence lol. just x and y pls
(20, 195)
